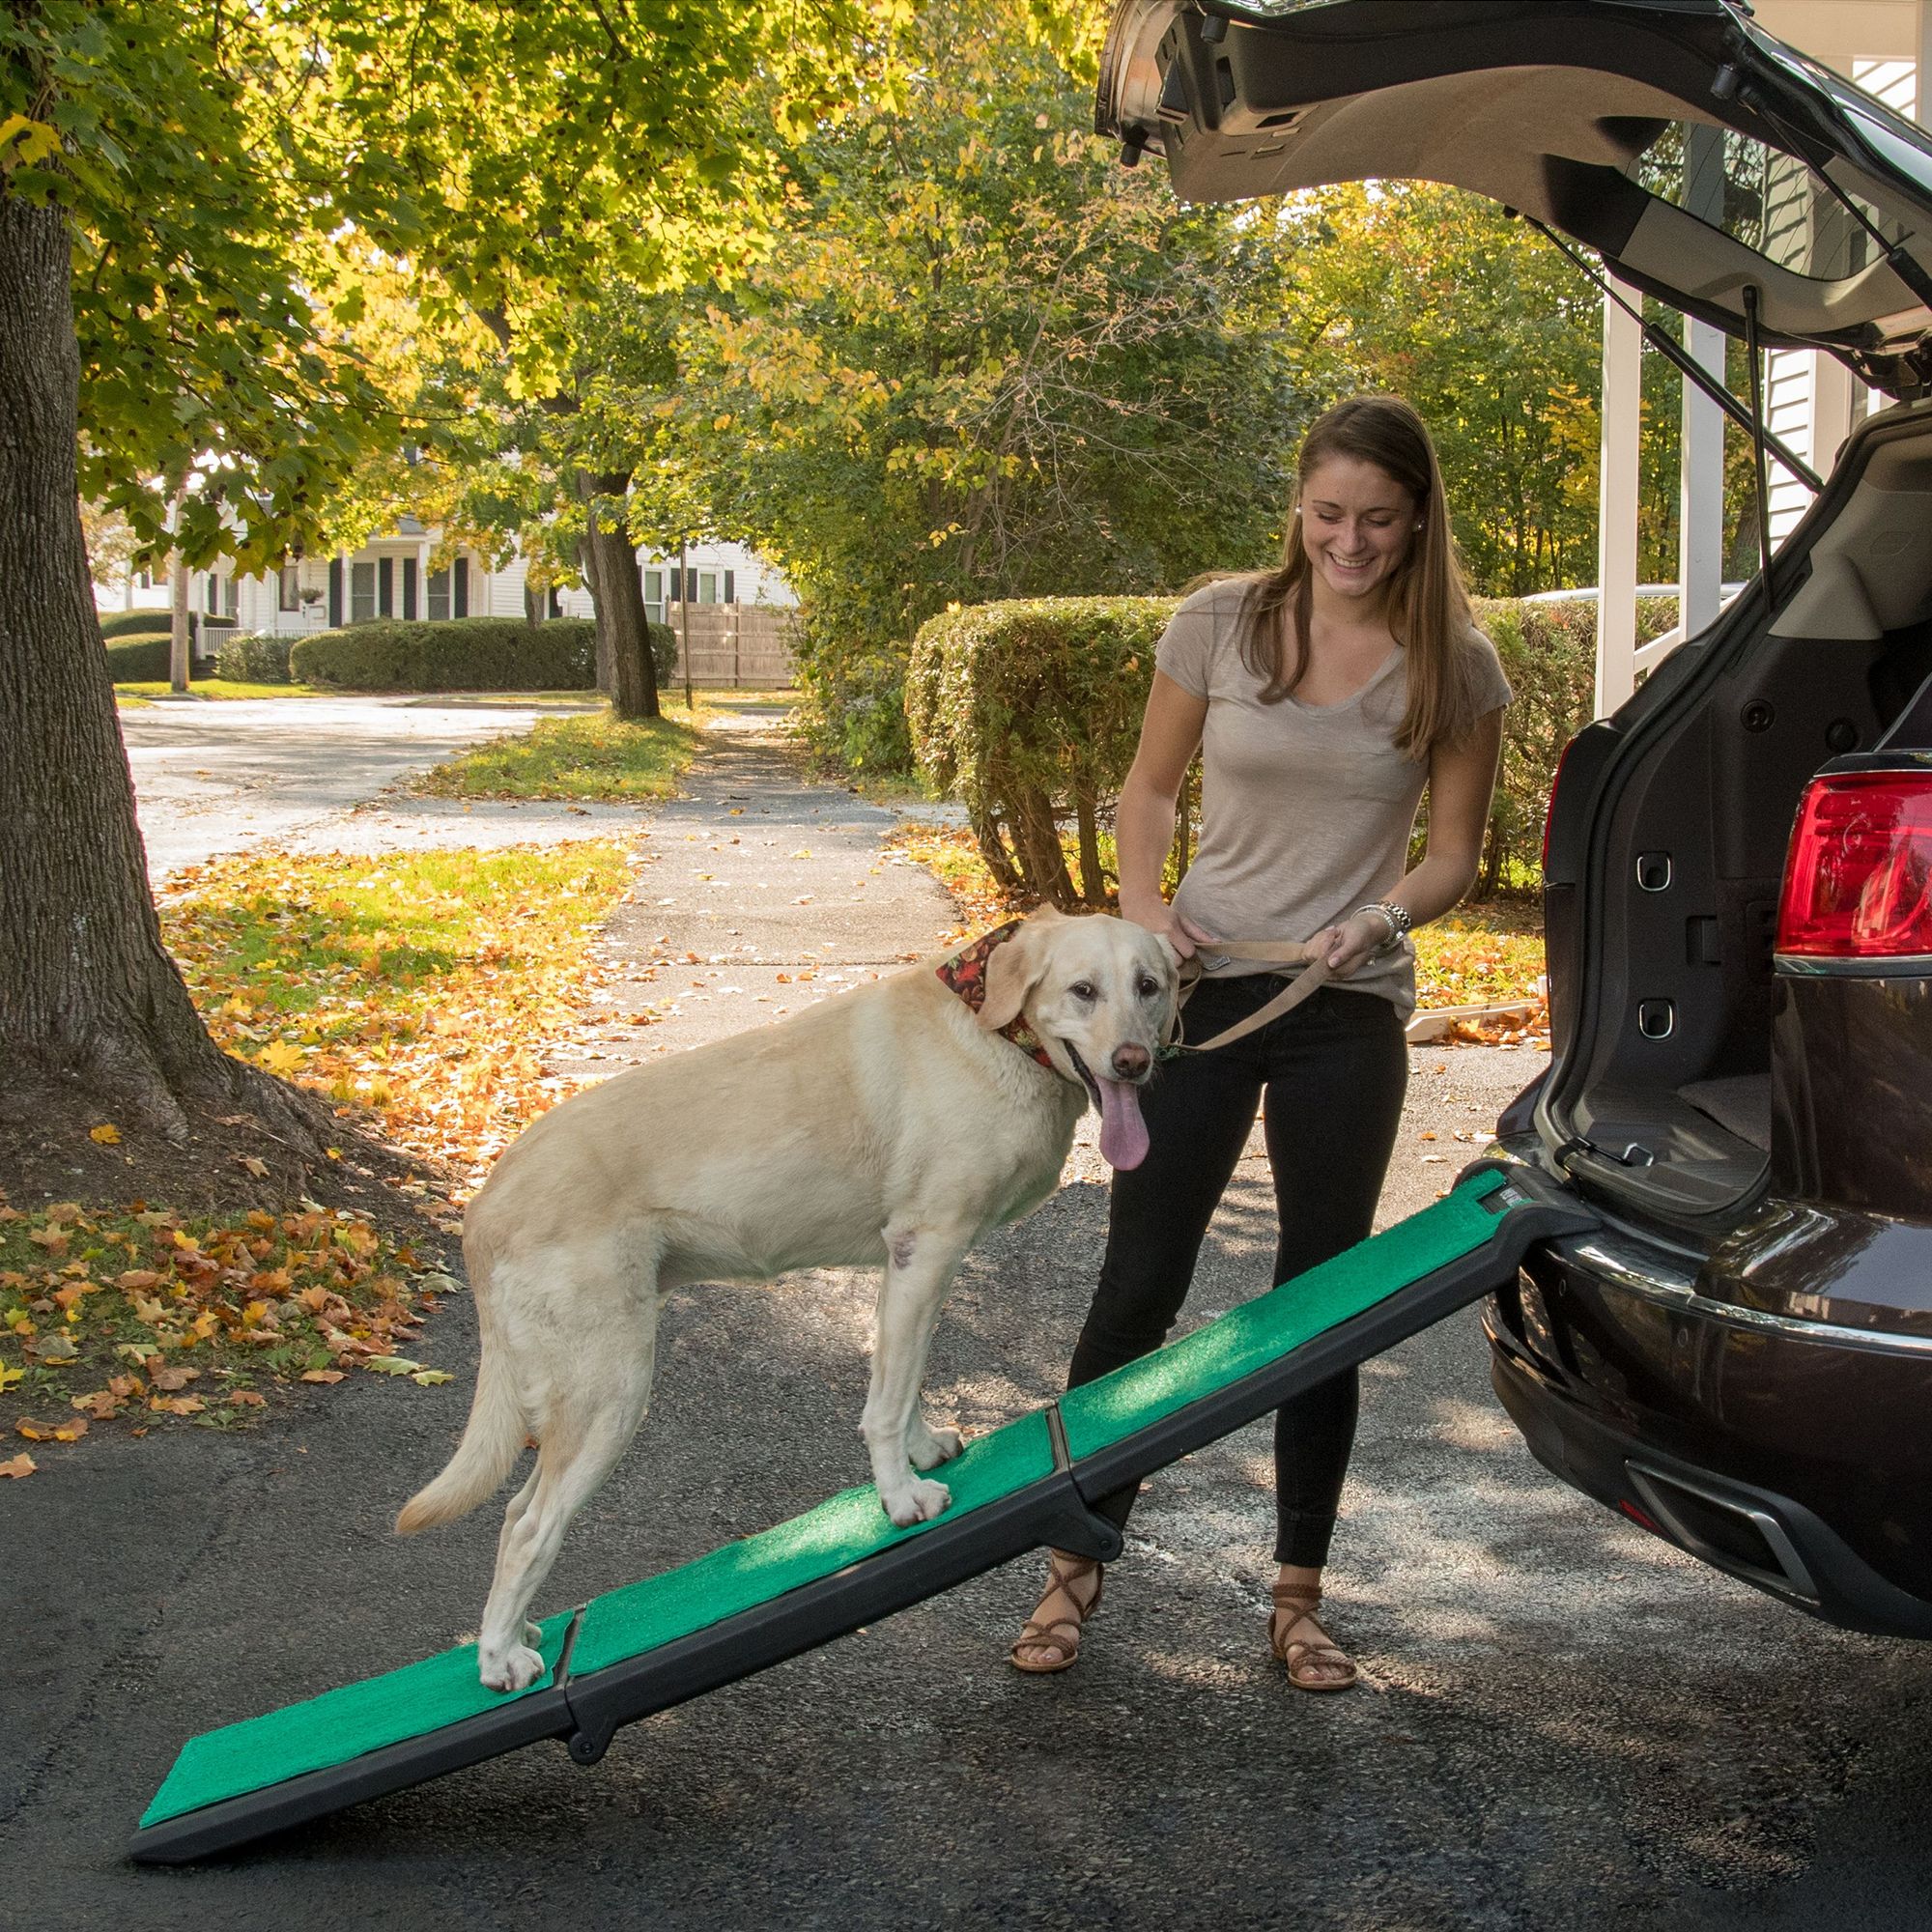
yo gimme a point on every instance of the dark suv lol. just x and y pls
(1738, 867)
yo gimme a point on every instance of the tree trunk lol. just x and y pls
(993, 848)
(93, 1012)
(607, 658)
(1092, 880)
(1043, 862)
(180, 636)
(178, 642)
(618, 593)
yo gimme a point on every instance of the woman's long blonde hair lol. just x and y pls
(1429, 604)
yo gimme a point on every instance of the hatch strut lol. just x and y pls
(1749, 419)
(1751, 297)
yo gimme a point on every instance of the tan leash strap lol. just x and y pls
(1315, 974)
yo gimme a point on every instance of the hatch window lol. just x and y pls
(1771, 202)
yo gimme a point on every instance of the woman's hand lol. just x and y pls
(1345, 947)
(1182, 935)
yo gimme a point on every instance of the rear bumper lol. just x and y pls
(1728, 1515)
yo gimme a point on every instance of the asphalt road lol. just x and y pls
(1563, 1722)
(308, 774)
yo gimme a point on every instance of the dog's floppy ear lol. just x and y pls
(1013, 969)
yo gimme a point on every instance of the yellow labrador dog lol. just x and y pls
(891, 1127)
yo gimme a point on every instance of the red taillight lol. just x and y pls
(1858, 884)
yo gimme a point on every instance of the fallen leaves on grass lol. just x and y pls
(149, 1313)
(589, 757)
(424, 986)
(1481, 955)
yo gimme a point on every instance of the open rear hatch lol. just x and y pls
(1700, 157)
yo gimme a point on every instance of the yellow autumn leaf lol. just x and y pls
(20, 1465)
(8, 1376)
(429, 1378)
(106, 1134)
(280, 1056)
(392, 1365)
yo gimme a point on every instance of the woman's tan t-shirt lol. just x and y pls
(1306, 810)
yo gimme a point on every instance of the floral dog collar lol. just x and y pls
(965, 974)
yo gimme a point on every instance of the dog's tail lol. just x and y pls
(492, 1438)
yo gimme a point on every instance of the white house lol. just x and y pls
(391, 576)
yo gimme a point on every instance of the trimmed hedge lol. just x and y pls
(136, 624)
(1030, 711)
(138, 660)
(464, 654)
(255, 658)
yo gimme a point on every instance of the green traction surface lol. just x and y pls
(338, 1726)
(1100, 1413)
(643, 1616)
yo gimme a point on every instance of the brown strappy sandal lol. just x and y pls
(1298, 1603)
(1059, 1636)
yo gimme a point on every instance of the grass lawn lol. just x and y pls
(596, 756)
(498, 700)
(212, 687)
(421, 986)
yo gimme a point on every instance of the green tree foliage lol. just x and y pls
(983, 360)
(1439, 295)
(192, 201)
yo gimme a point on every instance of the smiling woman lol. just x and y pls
(1324, 698)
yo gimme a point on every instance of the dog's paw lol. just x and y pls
(927, 1448)
(919, 1502)
(516, 1670)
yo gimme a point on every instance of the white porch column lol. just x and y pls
(1700, 523)
(1700, 496)
(1616, 503)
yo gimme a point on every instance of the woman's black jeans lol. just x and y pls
(1333, 1070)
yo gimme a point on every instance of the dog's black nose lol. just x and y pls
(1131, 1062)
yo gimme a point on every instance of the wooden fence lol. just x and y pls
(747, 645)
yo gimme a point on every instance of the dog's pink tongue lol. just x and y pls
(1123, 1134)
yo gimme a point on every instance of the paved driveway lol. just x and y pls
(1564, 1724)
